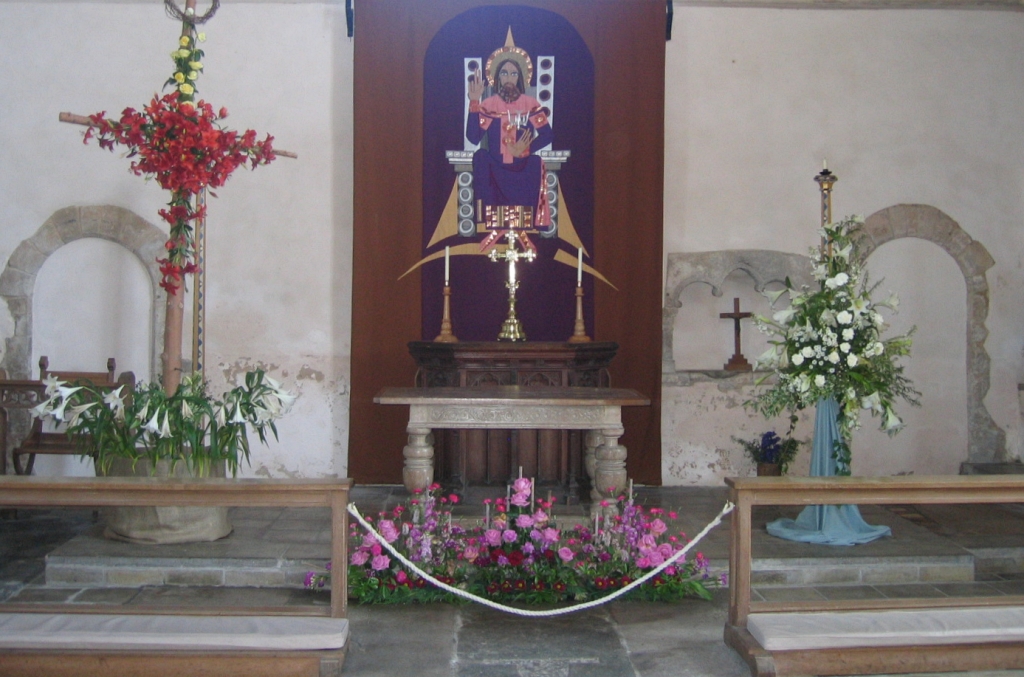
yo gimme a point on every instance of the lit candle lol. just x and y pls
(447, 253)
(579, 267)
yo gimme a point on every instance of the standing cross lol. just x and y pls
(737, 362)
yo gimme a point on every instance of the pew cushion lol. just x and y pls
(831, 630)
(169, 632)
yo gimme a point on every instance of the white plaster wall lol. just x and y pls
(917, 106)
(279, 262)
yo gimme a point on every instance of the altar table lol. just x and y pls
(596, 410)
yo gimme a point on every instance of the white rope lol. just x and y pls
(545, 612)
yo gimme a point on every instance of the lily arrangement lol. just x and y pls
(189, 426)
(519, 553)
(828, 343)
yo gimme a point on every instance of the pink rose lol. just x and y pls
(550, 535)
(401, 577)
(470, 553)
(492, 537)
(658, 527)
(380, 562)
(540, 517)
(521, 485)
(524, 521)
(368, 541)
(521, 499)
(359, 557)
(509, 536)
(388, 530)
(565, 554)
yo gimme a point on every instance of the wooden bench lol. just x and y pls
(839, 637)
(39, 442)
(160, 641)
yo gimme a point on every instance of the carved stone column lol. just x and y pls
(610, 470)
(418, 471)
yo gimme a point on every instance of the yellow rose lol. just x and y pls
(202, 37)
(184, 53)
(186, 89)
(192, 75)
(179, 78)
(195, 65)
(184, 41)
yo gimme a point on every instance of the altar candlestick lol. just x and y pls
(579, 267)
(447, 254)
(487, 516)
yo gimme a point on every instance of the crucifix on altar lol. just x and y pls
(737, 362)
(179, 140)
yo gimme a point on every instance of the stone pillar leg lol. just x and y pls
(610, 477)
(418, 472)
(591, 441)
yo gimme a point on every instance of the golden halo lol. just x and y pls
(516, 54)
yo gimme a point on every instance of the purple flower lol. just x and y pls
(380, 562)
(492, 537)
(310, 575)
(565, 554)
(502, 560)
(528, 548)
(509, 536)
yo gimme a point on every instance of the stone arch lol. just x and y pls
(986, 441)
(17, 282)
(712, 268)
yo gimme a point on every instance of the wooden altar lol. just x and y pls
(492, 457)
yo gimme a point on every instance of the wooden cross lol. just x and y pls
(737, 362)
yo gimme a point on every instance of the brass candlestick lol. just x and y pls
(826, 180)
(579, 334)
(511, 329)
(446, 335)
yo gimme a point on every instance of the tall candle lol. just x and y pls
(447, 254)
(824, 165)
(579, 267)
(533, 495)
(487, 516)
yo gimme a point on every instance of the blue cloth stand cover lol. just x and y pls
(827, 524)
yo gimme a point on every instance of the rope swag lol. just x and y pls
(172, 10)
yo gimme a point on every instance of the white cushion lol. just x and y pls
(108, 631)
(820, 630)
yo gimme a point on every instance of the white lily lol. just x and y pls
(872, 402)
(844, 253)
(78, 411)
(237, 418)
(784, 316)
(52, 382)
(43, 408)
(892, 421)
(153, 426)
(773, 296)
(186, 410)
(165, 428)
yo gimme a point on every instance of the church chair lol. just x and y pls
(58, 443)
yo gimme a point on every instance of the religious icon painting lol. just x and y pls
(508, 146)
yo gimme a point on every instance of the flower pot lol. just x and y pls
(155, 525)
(769, 470)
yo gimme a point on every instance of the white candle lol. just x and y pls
(487, 516)
(824, 165)
(520, 472)
(579, 267)
(631, 491)
(447, 253)
(533, 495)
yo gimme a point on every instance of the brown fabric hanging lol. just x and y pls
(626, 40)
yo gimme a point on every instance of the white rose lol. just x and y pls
(844, 317)
(833, 357)
(819, 381)
(845, 347)
(851, 360)
(807, 351)
(797, 359)
(848, 334)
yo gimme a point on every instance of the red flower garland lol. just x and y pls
(181, 144)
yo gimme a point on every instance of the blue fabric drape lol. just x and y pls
(827, 524)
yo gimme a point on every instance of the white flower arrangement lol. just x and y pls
(828, 344)
(189, 426)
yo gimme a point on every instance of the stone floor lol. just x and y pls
(936, 551)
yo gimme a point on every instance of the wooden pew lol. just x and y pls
(840, 637)
(109, 654)
(39, 442)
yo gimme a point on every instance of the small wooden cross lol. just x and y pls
(737, 362)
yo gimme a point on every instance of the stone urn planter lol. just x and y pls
(163, 525)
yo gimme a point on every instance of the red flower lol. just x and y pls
(516, 557)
